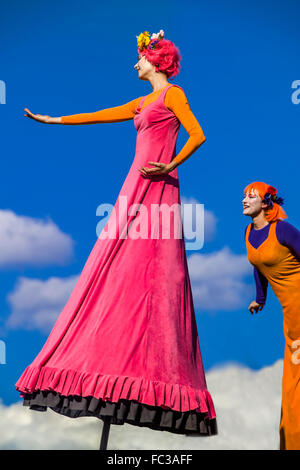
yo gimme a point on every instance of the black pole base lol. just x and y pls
(105, 433)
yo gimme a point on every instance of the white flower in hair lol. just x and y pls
(159, 35)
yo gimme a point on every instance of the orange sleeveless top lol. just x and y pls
(282, 269)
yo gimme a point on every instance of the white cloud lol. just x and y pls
(33, 242)
(35, 304)
(217, 280)
(247, 404)
(217, 283)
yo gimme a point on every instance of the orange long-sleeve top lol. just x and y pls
(175, 100)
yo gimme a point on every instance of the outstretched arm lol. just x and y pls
(177, 102)
(116, 114)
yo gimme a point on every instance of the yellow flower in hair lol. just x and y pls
(143, 39)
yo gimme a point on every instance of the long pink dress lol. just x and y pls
(126, 342)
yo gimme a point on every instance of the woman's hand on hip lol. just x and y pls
(255, 306)
(158, 169)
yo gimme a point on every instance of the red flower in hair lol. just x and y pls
(272, 190)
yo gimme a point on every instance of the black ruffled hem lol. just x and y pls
(123, 411)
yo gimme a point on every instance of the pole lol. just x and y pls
(105, 433)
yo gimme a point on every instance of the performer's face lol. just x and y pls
(144, 68)
(252, 203)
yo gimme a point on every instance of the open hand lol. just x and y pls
(255, 306)
(37, 117)
(158, 169)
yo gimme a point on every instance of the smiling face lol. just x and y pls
(252, 203)
(144, 68)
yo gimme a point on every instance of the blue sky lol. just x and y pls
(60, 57)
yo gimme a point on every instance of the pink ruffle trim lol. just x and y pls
(113, 387)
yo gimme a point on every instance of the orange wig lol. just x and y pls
(274, 211)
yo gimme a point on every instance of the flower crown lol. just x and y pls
(145, 42)
(271, 197)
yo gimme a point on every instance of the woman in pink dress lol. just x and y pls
(126, 343)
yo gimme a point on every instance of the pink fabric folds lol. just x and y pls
(112, 388)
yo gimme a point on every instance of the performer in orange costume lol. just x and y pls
(279, 265)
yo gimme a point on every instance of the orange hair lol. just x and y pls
(272, 213)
